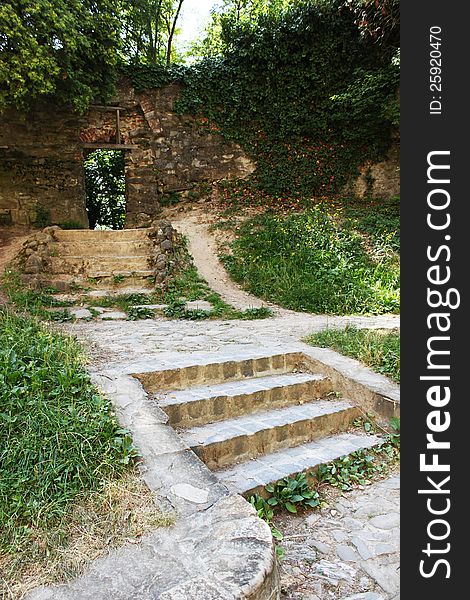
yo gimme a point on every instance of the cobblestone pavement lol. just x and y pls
(164, 340)
(348, 551)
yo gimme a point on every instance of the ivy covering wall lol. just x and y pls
(304, 92)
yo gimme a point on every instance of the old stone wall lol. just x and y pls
(41, 167)
(41, 157)
(42, 154)
(379, 180)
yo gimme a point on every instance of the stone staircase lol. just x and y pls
(254, 421)
(102, 255)
(97, 258)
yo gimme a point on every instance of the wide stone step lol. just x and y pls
(67, 235)
(134, 247)
(207, 404)
(129, 276)
(252, 476)
(224, 443)
(89, 264)
(219, 372)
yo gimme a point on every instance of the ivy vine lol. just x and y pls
(304, 93)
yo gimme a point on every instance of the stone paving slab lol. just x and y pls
(246, 477)
(113, 315)
(199, 305)
(336, 570)
(251, 424)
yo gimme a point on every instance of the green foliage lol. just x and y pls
(378, 349)
(301, 89)
(105, 188)
(292, 493)
(149, 30)
(58, 437)
(316, 261)
(71, 225)
(56, 49)
(360, 467)
(136, 313)
(37, 303)
(43, 217)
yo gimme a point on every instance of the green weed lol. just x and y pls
(58, 437)
(378, 349)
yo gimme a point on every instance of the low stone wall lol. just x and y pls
(379, 180)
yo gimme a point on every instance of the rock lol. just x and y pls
(199, 305)
(113, 315)
(339, 535)
(346, 553)
(166, 245)
(81, 313)
(34, 264)
(320, 546)
(388, 521)
(190, 493)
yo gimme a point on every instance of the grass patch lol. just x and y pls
(329, 259)
(378, 349)
(122, 511)
(185, 284)
(59, 438)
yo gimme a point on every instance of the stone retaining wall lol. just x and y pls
(42, 154)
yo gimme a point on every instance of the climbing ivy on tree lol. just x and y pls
(303, 90)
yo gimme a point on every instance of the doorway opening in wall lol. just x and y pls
(105, 187)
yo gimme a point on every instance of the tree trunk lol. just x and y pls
(172, 33)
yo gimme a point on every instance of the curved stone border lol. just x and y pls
(367, 389)
(218, 550)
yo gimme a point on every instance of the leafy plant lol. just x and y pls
(266, 513)
(291, 493)
(139, 312)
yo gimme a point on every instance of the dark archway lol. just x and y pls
(105, 187)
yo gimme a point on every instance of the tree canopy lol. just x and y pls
(65, 49)
(70, 50)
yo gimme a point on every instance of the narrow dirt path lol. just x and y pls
(203, 249)
(11, 242)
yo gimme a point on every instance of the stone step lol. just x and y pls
(99, 248)
(224, 443)
(219, 372)
(87, 265)
(207, 404)
(130, 276)
(252, 476)
(81, 235)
